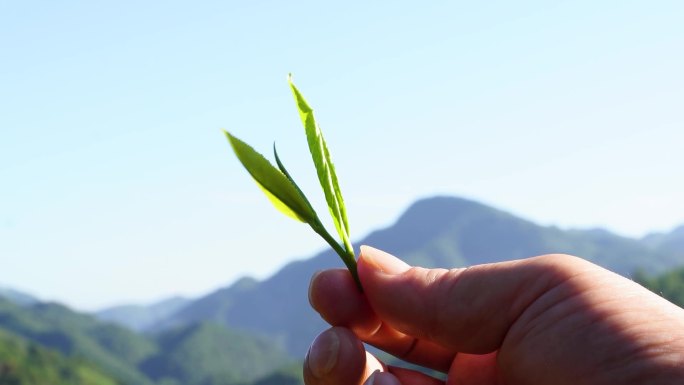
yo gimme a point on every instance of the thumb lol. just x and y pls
(468, 310)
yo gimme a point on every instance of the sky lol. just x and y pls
(117, 185)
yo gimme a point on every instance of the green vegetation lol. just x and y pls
(208, 353)
(140, 318)
(670, 285)
(212, 340)
(288, 375)
(434, 232)
(49, 343)
(286, 195)
(24, 363)
(17, 297)
(112, 348)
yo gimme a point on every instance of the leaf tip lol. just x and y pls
(228, 135)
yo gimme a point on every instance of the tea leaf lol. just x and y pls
(282, 168)
(285, 194)
(324, 167)
(282, 207)
(281, 191)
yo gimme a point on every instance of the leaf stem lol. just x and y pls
(347, 256)
(348, 247)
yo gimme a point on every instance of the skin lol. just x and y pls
(553, 319)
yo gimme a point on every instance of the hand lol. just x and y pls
(553, 319)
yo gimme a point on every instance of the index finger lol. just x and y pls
(333, 293)
(468, 310)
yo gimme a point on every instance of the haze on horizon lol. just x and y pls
(117, 185)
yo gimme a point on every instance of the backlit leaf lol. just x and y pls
(285, 194)
(282, 168)
(279, 204)
(282, 192)
(324, 167)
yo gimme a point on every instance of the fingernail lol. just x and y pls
(385, 262)
(382, 378)
(371, 379)
(323, 353)
(311, 284)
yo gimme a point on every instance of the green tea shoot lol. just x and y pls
(285, 194)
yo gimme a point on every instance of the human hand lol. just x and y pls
(553, 319)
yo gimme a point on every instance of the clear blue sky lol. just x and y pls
(116, 184)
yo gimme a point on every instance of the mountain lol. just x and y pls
(211, 306)
(669, 242)
(208, 353)
(115, 350)
(50, 336)
(17, 297)
(450, 232)
(434, 232)
(25, 363)
(249, 333)
(287, 375)
(139, 317)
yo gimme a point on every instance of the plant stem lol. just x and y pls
(348, 258)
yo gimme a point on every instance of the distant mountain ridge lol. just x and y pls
(17, 297)
(433, 232)
(237, 335)
(672, 241)
(112, 348)
(198, 354)
(141, 317)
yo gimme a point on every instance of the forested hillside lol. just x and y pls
(49, 343)
(434, 232)
(256, 332)
(670, 285)
(25, 363)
